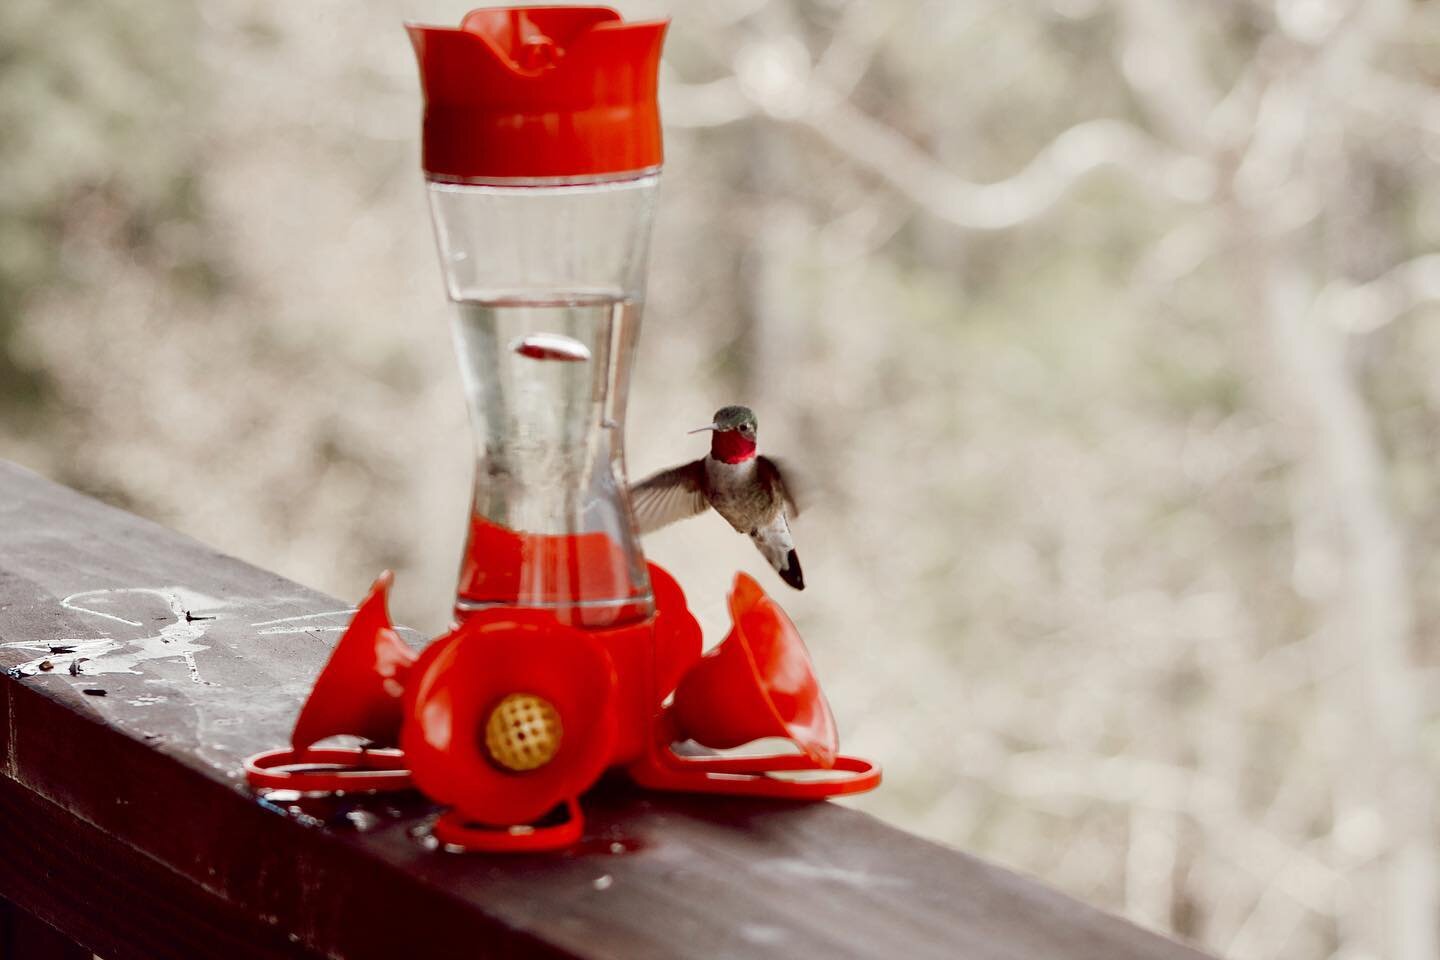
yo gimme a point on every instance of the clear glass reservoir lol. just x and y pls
(548, 281)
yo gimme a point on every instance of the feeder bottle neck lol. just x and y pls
(554, 94)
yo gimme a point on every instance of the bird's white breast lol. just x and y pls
(725, 477)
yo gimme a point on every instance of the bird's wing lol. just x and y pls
(669, 495)
(780, 480)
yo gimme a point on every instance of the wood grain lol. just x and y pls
(24, 936)
(124, 819)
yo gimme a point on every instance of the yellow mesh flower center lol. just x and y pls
(523, 732)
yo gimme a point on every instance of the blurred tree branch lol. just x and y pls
(1072, 156)
(1058, 168)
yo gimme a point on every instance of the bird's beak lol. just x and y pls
(708, 426)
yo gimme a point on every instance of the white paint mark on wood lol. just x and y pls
(176, 640)
(70, 604)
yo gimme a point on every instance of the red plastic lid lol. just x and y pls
(539, 92)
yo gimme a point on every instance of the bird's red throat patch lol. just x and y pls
(731, 446)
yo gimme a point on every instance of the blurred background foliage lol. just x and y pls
(1105, 329)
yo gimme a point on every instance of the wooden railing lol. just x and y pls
(125, 824)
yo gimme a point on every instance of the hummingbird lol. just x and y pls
(743, 487)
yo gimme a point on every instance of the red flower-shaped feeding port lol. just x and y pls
(509, 716)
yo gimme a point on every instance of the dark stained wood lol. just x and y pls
(124, 818)
(25, 937)
(112, 898)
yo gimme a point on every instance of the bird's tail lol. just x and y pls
(790, 571)
(778, 548)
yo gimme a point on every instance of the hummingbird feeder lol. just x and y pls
(570, 655)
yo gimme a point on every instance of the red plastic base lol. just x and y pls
(608, 685)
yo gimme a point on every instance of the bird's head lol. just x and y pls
(734, 431)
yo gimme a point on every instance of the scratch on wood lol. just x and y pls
(306, 616)
(310, 630)
(12, 736)
(808, 870)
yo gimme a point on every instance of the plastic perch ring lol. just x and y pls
(346, 768)
(752, 776)
(455, 829)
